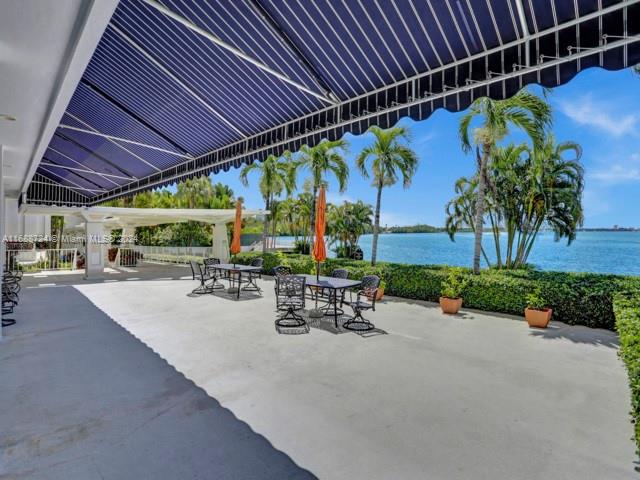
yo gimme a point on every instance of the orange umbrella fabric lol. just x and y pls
(319, 248)
(237, 229)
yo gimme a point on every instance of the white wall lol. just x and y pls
(37, 225)
(17, 224)
(12, 224)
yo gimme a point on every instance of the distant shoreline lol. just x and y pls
(442, 230)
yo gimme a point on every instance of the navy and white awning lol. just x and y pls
(182, 88)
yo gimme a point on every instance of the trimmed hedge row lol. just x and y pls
(576, 298)
(626, 306)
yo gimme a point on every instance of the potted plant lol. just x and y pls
(451, 290)
(537, 312)
(380, 292)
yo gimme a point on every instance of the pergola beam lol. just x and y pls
(236, 51)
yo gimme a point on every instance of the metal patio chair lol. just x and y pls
(365, 300)
(203, 277)
(213, 272)
(292, 291)
(279, 271)
(9, 293)
(335, 273)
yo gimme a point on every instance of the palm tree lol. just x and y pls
(530, 188)
(324, 158)
(461, 209)
(524, 110)
(346, 223)
(389, 159)
(194, 193)
(275, 177)
(223, 197)
(554, 195)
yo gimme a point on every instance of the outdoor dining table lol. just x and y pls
(335, 286)
(235, 271)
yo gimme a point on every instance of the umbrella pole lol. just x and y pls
(316, 312)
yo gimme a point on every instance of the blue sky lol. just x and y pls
(598, 109)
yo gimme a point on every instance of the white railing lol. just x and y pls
(127, 257)
(173, 254)
(35, 260)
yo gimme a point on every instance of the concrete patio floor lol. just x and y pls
(426, 396)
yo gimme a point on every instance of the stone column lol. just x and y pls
(220, 244)
(95, 250)
(128, 232)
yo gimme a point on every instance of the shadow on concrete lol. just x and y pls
(577, 334)
(83, 399)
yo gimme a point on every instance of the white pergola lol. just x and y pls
(97, 223)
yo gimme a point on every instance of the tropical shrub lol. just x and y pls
(576, 298)
(535, 300)
(345, 224)
(626, 306)
(302, 246)
(454, 283)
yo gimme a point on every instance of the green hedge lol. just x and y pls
(626, 306)
(576, 298)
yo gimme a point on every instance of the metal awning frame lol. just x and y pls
(401, 98)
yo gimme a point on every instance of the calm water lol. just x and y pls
(600, 252)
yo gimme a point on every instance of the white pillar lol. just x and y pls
(220, 243)
(128, 233)
(12, 218)
(94, 259)
(2, 220)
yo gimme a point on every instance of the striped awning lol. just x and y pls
(184, 88)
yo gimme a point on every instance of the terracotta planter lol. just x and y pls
(379, 294)
(450, 305)
(538, 318)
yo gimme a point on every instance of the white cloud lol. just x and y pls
(424, 139)
(617, 174)
(337, 198)
(622, 171)
(599, 114)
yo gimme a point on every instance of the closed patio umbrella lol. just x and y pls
(237, 230)
(319, 249)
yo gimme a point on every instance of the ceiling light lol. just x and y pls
(6, 116)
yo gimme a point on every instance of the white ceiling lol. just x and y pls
(45, 46)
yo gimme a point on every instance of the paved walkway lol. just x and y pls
(82, 399)
(427, 396)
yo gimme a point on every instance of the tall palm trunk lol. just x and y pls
(274, 227)
(265, 227)
(477, 247)
(376, 224)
